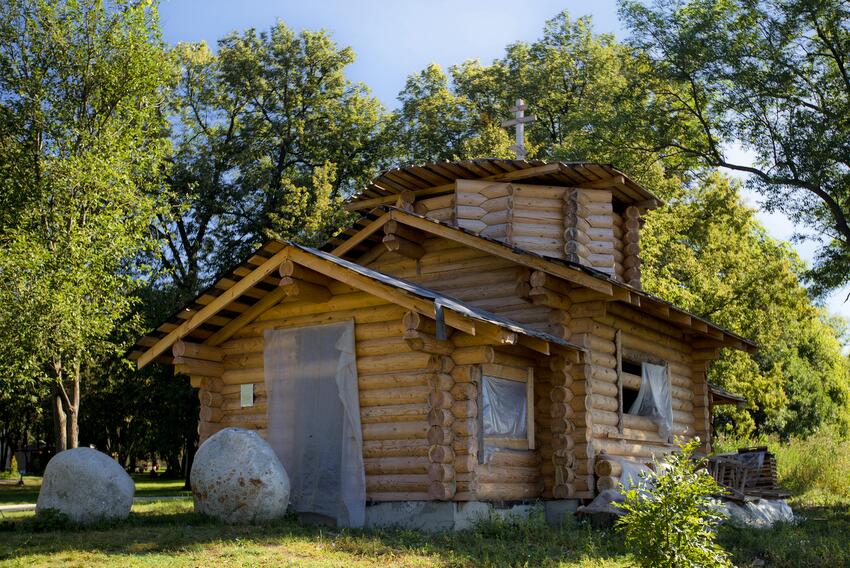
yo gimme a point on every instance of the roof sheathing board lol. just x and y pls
(437, 174)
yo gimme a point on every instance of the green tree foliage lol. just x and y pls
(434, 123)
(578, 84)
(269, 137)
(706, 252)
(671, 516)
(81, 85)
(772, 76)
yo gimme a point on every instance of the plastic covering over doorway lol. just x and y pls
(314, 418)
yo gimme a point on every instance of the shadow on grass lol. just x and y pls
(819, 538)
(169, 529)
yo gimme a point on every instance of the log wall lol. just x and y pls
(480, 279)
(581, 225)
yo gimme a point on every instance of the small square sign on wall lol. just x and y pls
(247, 395)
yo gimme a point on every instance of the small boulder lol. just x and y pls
(237, 478)
(87, 486)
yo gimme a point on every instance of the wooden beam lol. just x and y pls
(446, 188)
(196, 351)
(305, 291)
(213, 307)
(404, 247)
(361, 235)
(190, 366)
(289, 269)
(604, 183)
(534, 343)
(381, 290)
(246, 317)
(503, 251)
(393, 227)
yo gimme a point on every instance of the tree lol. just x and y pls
(82, 85)
(434, 123)
(269, 137)
(580, 86)
(706, 252)
(772, 76)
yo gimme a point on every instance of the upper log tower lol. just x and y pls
(587, 226)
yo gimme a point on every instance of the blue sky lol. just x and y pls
(395, 38)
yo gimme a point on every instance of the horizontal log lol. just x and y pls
(396, 465)
(397, 482)
(410, 412)
(395, 395)
(190, 350)
(395, 448)
(395, 431)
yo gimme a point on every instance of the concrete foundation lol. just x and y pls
(438, 516)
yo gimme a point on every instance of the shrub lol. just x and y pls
(13, 467)
(671, 517)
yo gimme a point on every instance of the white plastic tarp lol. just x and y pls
(633, 471)
(654, 399)
(314, 418)
(504, 408)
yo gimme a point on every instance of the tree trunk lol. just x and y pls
(73, 411)
(59, 421)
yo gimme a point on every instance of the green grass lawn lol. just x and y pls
(146, 486)
(168, 533)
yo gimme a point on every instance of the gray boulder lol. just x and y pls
(86, 485)
(237, 478)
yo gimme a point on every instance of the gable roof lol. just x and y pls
(202, 321)
(438, 177)
(573, 272)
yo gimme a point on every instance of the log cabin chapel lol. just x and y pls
(478, 336)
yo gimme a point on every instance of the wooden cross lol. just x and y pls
(519, 121)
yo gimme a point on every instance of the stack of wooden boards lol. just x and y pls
(748, 473)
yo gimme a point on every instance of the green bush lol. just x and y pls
(13, 467)
(671, 517)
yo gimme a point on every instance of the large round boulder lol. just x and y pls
(237, 478)
(87, 486)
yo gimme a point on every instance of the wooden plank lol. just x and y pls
(529, 412)
(619, 354)
(246, 317)
(506, 176)
(361, 235)
(213, 307)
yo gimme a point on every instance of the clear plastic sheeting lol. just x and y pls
(504, 408)
(761, 514)
(654, 399)
(633, 471)
(314, 418)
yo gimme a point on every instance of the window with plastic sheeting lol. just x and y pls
(652, 398)
(314, 419)
(507, 411)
